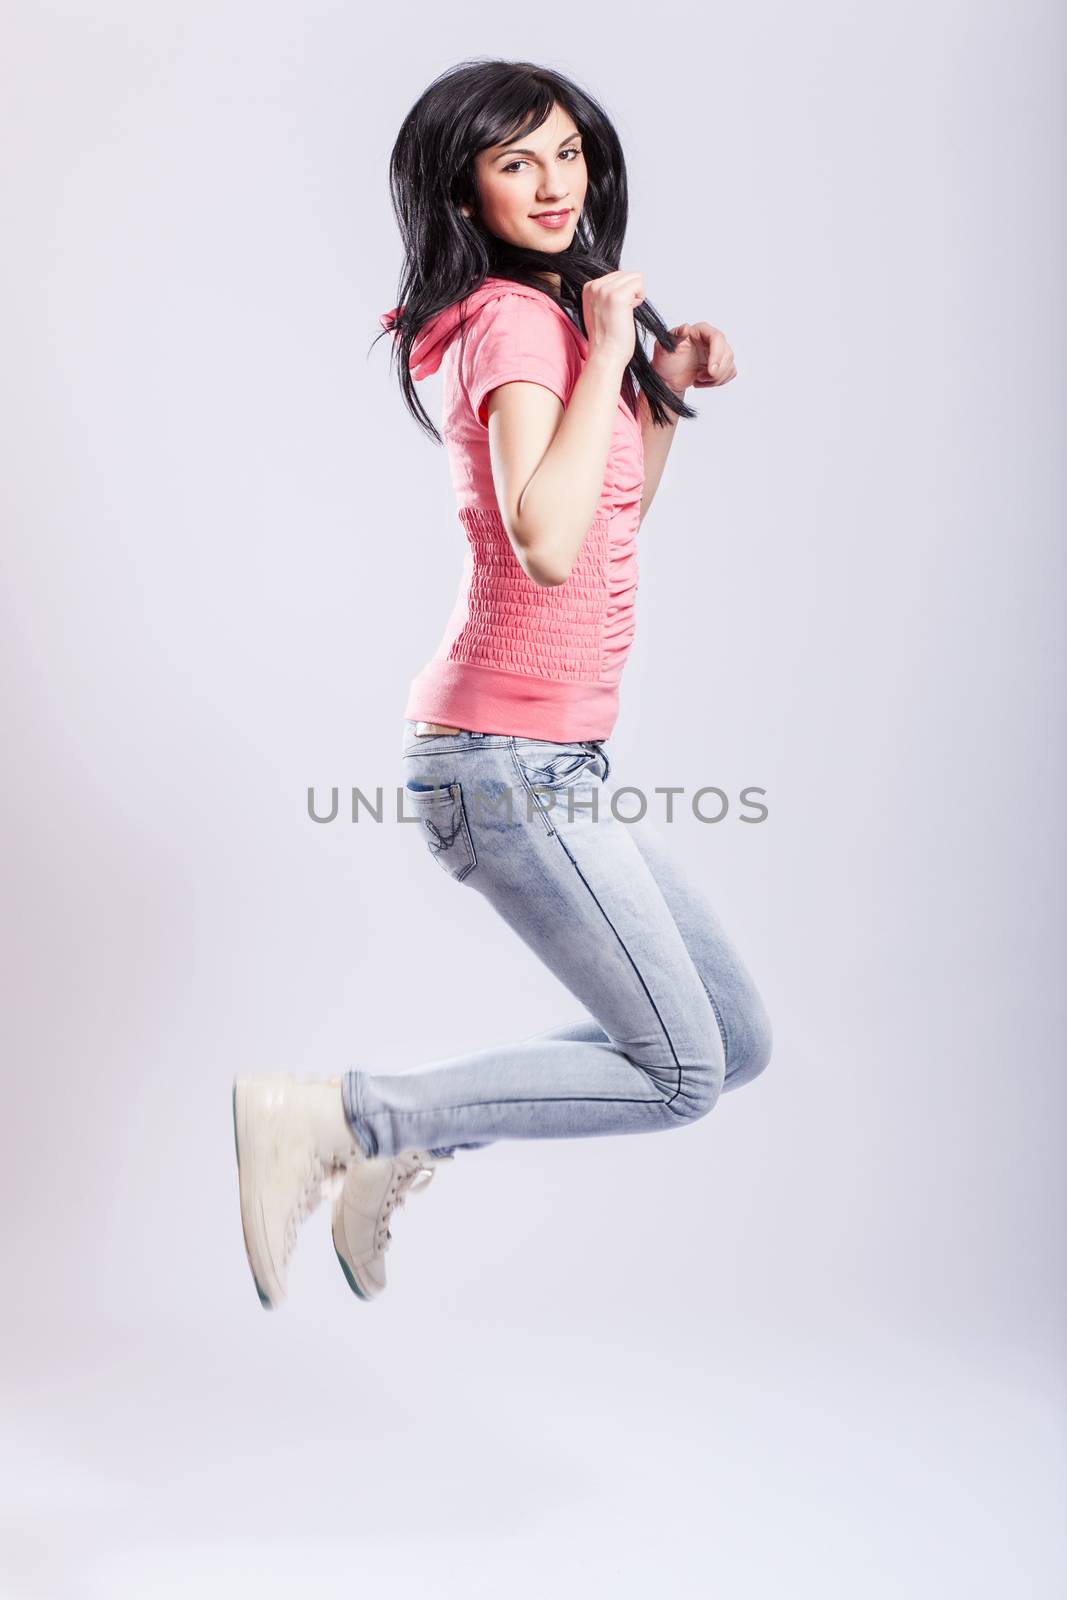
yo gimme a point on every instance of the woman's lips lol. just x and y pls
(553, 219)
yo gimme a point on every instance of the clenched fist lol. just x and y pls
(701, 359)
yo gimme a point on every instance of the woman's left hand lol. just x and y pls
(701, 358)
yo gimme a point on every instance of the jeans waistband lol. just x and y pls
(468, 737)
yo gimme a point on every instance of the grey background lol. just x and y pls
(812, 1345)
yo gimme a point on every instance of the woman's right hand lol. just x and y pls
(608, 308)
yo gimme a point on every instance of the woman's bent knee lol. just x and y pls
(751, 1050)
(690, 1069)
(699, 1087)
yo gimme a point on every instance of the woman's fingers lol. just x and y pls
(717, 364)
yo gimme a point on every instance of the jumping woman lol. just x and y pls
(509, 186)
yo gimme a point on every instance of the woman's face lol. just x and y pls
(536, 173)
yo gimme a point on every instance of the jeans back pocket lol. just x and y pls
(441, 812)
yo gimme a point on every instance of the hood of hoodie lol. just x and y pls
(431, 341)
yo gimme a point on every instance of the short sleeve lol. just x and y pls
(513, 338)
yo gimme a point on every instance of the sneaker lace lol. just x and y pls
(319, 1179)
(406, 1170)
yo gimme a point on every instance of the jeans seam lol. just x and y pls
(633, 963)
(719, 1020)
(457, 788)
(517, 765)
(353, 1101)
(524, 1100)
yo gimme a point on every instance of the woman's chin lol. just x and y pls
(549, 243)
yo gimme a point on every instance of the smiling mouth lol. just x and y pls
(564, 213)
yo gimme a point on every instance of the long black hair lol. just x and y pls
(448, 255)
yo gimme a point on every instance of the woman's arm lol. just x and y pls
(702, 358)
(548, 460)
(657, 444)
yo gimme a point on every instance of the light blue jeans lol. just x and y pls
(673, 1016)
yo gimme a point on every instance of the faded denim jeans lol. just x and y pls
(673, 1016)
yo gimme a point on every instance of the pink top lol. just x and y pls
(517, 657)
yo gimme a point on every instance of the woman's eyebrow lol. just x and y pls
(513, 150)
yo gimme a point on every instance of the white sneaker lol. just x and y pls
(372, 1188)
(293, 1144)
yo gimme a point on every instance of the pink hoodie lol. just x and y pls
(517, 657)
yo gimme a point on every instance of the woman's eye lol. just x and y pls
(572, 150)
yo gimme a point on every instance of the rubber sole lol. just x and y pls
(268, 1305)
(352, 1284)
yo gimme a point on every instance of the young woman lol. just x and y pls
(509, 186)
